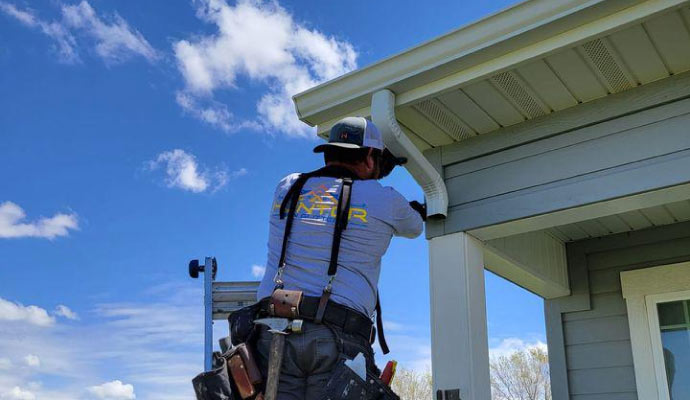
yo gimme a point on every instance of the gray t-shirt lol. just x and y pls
(377, 213)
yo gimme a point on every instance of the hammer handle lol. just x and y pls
(275, 360)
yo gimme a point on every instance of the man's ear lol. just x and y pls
(371, 163)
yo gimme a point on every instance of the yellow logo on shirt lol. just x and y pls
(320, 204)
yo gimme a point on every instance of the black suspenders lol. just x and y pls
(341, 220)
(342, 216)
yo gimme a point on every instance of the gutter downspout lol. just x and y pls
(383, 115)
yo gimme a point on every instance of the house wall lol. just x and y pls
(628, 143)
(588, 333)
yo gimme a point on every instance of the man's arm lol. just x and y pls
(406, 221)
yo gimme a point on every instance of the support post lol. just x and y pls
(208, 313)
(459, 343)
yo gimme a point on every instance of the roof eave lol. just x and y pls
(526, 31)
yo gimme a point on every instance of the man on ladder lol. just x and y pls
(328, 231)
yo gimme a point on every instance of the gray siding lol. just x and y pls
(640, 143)
(597, 362)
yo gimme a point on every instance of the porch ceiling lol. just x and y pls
(666, 214)
(642, 53)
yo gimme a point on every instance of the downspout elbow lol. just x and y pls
(435, 192)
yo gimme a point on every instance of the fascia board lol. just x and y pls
(523, 32)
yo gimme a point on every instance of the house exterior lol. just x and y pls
(552, 140)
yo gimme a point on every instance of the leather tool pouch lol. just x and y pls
(244, 371)
(214, 384)
(235, 376)
(285, 303)
(242, 323)
(345, 384)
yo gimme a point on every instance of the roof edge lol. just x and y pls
(424, 62)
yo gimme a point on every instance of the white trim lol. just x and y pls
(639, 285)
(459, 342)
(654, 331)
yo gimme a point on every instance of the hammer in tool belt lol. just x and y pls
(279, 328)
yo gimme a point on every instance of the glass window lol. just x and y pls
(674, 321)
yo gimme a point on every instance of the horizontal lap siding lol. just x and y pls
(597, 330)
(602, 380)
(570, 165)
(599, 355)
(573, 154)
(597, 341)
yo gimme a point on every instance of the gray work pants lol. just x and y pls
(310, 357)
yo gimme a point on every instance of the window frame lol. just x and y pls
(642, 290)
(652, 302)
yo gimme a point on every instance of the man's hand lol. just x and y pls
(387, 162)
(420, 208)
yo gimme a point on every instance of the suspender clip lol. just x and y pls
(329, 286)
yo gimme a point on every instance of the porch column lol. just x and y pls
(459, 344)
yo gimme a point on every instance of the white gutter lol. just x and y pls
(383, 115)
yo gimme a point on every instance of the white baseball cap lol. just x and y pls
(353, 133)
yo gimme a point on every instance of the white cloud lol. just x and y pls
(262, 42)
(213, 113)
(26, 17)
(33, 315)
(414, 351)
(11, 225)
(258, 271)
(64, 311)
(65, 43)
(239, 172)
(114, 390)
(511, 345)
(184, 172)
(17, 393)
(113, 39)
(32, 360)
(411, 347)
(152, 345)
(392, 326)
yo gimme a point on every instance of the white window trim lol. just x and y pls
(654, 331)
(642, 289)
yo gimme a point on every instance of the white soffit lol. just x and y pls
(533, 59)
(635, 220)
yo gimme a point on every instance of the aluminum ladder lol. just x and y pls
(220, 300)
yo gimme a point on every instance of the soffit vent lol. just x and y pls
(603, 59)
(444, 119)
(520, 94)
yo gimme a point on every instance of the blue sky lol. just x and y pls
(137, 135)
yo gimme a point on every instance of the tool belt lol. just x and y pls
(234, 376)
(347, 319)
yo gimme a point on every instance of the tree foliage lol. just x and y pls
(523, 375)
(412, 385)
